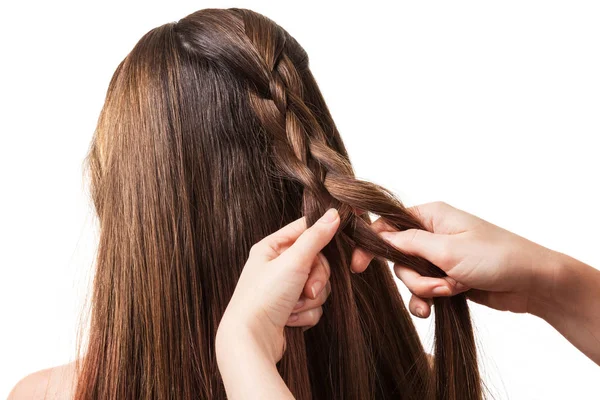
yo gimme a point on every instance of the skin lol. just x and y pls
(499, 269)
(285, 282)
(275, 289)
(493, 266)
(49, 384)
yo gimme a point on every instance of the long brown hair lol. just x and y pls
(213, 135)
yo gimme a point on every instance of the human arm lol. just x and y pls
(499, 269)
(284, 283)
(569, 300)
(247, 372)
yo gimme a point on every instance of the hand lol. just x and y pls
(498, 268)
(284, 282)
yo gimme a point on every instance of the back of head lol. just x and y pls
(213, 135)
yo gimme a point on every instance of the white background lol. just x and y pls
(491, 107)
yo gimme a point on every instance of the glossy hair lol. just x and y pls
(213, 135)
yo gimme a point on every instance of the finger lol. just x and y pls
(434, 215)
(457, 287)
(440, 217)
(361, 258)
(380, 225)
(422, 286)
(430, 246)
(419, 307)
(276, 243)
(304, 250)
(429, 214)
(318, 277)
(306, 303)
(425, 286)
(306, 318)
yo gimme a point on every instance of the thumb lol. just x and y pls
(304, 250)
(431, 246)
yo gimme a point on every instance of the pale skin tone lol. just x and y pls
(280, 273)
(493, 266)
(499, 269)
(285, 282)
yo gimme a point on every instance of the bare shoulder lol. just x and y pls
(54, 383)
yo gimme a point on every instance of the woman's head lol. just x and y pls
(213, 135)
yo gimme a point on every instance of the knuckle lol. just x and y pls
(439, 205)
(445, 253)
(256, 249)
(452, 284)
(276, 245)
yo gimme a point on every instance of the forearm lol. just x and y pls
(246, 372)
(568, 298)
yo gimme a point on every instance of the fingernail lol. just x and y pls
(442, 291)
(293, 318)
(315, 288)
(419, 311)
(299, 304)
(329, 216)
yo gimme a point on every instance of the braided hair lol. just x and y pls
(260, 101)
(307, 154)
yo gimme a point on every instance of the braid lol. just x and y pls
(300, 143)
(306, 149)
(303, 153)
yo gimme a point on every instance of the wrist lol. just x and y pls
(247, 370)
(561, 283)
(235, 335)
(549, 274)
(567, 299)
